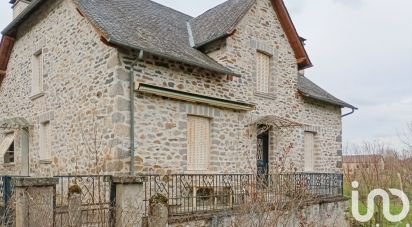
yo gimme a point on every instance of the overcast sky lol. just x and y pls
(362, 52)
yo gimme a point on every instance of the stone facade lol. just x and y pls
(78, 74)
(86, 99)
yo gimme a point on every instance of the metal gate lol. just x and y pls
(94, 206)
(6, 211)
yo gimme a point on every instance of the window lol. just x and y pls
(198, 143)
(37, 73)
(7, 148)
(309, 151)
(45, 141)
(262, 72)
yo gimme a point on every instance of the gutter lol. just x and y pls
(352, 111)
(132, 114)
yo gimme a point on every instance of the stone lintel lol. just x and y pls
(34, 182)
(129, 179)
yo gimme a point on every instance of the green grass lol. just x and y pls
(395, 208)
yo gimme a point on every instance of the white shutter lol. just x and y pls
(198, 143)
(8, 140)
(45, 141)
(262, 72)
(37, 73)
(309, 151)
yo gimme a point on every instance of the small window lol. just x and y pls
(37, 74)
(9, 155)
(198, 143)
(262, 72)
(7, 148)
(45, 141)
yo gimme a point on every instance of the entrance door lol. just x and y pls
(262, 154)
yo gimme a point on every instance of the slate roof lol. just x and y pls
(219, 21)
(162, 31)
(148, 26)
(311, 90)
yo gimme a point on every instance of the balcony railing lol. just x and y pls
(188, 194)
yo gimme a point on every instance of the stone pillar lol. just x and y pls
(158, 215)
(34, 201)
(130, 206)
(75, 206)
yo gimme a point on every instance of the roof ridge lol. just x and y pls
(216, 12)
(170, 8)
(207, 11)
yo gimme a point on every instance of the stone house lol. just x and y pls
(355, 164)
(136, 87)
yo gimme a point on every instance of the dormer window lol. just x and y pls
(262, 72)
(37, 73)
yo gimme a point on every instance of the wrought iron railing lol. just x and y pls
(97, 198)
(6, 190)
(188, 194)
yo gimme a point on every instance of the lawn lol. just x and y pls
(395, 208)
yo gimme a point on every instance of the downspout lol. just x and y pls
(353, 111)
(131, 106)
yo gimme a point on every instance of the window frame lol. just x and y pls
(5, 151)
(258, 75)
(45, 142)
(37, 76)
(313, 158)
(194, 165)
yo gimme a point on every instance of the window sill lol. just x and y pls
(45, 161)
(265, 95)
(199, 172)
(36, 96)
(9, 164)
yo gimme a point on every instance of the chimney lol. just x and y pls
(19, 6)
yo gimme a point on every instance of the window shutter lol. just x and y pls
(37, 73)
(309, 151)
(45, 141)
(198, 143)
(8, 140)
(262, 72)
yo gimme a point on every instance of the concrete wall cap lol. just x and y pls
(129, 179)
(34, 182)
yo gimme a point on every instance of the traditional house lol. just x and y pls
(134, 86)
(353, 164)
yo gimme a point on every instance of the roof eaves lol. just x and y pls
(21, 17)
(121, 44)
(221, 36)
(292, 34)
(340, 104)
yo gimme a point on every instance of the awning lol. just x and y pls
(273, 121)
(6, 143)
(191, 97)
(14, 123)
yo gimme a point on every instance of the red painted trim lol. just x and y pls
(6, 47)
(289, 28)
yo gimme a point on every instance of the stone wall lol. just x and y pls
(78, 76)
(331, 214)
(161, 123)
(87, 99)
